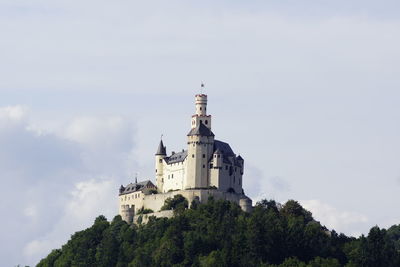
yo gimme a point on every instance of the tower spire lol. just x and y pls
(162, 150)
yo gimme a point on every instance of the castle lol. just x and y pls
(208, 167)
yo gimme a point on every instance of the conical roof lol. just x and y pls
(162, 150)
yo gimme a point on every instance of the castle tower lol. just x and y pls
(200, 146)
(201, 112)
(160, 155)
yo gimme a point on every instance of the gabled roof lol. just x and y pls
(177, 157)
(225, 148)
(201, 130)
(228, 156)
(162, 150)
(136, 187)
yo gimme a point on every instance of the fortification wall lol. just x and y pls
(156, 201)
(159, 214)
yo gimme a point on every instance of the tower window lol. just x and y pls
(160, 160)
(200, 108)
(204, 156)
(204, 166)
(206, 121)
(201, 121)
(192, 155)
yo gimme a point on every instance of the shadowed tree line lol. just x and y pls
(219, 233)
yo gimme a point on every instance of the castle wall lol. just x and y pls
(174, 176)
(159, 214)
(156, 201)
(133, 200)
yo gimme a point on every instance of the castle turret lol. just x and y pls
(217, 159)
(160, 155)
(201, 112)
(200, 146)
(240, 160)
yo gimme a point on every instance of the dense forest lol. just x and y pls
(219, 233)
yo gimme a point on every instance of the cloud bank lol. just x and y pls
(53, 184)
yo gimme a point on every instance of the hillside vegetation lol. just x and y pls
(221, 234)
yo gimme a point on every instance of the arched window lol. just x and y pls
(206, 121)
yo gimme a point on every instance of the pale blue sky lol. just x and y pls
(306, 91)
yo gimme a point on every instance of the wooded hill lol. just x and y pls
(221, 234)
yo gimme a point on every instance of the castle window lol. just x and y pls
(160, 160)
(219, 156)
(206, 121)
(204, 166)
(192, 155)
(200, 108)
(204, 156)
(172, 175)
(215, 156)
(156, 170)
(211, 166)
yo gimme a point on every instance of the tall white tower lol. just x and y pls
(200, 146)
(160, 155)
(201, 112)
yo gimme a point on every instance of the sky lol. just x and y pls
(306, 91)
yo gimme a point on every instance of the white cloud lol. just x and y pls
(53, 183)
(347, 222)
(88, 200)
(12, 116)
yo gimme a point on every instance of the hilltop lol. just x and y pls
(219, 233)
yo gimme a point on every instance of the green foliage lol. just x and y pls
(219, 233)
(178, 202)
(144, 211)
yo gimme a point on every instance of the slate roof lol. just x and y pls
(225, 148)
(177, 157)
(135, 187)
(162, 150)
(228, 156)
(201, 130)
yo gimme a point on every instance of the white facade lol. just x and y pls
(206, 165)
(199, 166)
